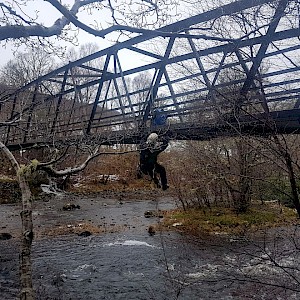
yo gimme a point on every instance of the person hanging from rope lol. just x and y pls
(159, 117)
(148, 165)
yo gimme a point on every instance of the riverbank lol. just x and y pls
(54, 214)
(225, 221)
(74, 214)
(9, 190)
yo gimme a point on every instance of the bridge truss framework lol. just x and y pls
(205, 80)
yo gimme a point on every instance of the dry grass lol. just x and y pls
(225, 221)
(93, 184)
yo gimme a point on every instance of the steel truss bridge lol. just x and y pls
(231, 70)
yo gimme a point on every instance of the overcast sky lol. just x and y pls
(47, 15)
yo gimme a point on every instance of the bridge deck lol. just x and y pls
(283, 122)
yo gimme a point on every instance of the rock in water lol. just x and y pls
(84, 233)
(151, 230)
(5, 236)
(71, 206)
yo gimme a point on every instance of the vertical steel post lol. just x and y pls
(171, 89)
(105, 99)
(125, 87)
(30, 114)
(94, 109)
(59, 100)
(118, 91)
(210, 85)
(11, 118)
(152, 96)
(264, 46)
(246, 70)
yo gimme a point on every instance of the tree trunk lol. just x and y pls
(293, 182)
(27, 292)
(289, 164)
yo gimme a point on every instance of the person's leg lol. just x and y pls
(155, 179)
(144, 169)
(139, 172)
(152, 173)
(149, 169)
(163, 175)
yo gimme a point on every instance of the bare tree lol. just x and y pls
(24, 173)
(26, 67)
(135, 17)
(24, 25)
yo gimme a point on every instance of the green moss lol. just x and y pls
(257, 217)
(275, 188)
(28, 170)
(4, 179)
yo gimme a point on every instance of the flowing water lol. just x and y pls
(131, 264)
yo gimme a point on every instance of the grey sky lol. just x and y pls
(47, 16)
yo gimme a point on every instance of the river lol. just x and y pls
(128, 263)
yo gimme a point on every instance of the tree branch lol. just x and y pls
(60, 173)
(21, 31)
(69, 16)
(10, 156)
(55, 159)
(13, 13)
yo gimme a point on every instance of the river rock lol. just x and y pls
(71, 206)
(151, 230)
(85, 233)
(5, 236)
(153, 213)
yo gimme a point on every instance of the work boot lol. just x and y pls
(165, 187)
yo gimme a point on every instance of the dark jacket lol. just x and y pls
(149, 165)
(149, 153)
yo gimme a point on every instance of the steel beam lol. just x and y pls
(264, 46)
(179, 26)
(30, 114)
(196, 97)
(59, 100)
(101, 83)
(162, 67)
(117, 61)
